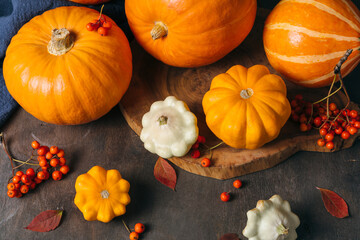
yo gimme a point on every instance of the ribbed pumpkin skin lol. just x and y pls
(90, 1)
(77, 87)
(200, 32)
(304, 39)
(246, 123)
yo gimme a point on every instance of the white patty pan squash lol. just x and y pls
(271, 220)
(169, 128)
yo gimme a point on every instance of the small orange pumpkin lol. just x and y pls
(70, 75)
(246, 108)
(304, 40)
(190, 33)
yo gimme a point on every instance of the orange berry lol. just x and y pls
(107, 25)
(64, 169)
(205, 162)
(48, 155)
(54, 149)
(321, 142)
(332, 106)
(24, 189)
(41, 175)
(134, 236)
(18, 194)
(57, 175)
(16, 179)
(25, 178)
(37, 180)
(43, 163)
(17, 186)
(102, 31)
(11, 186)
(54, 162)
(139, 228)
(60, 153)
(90, 26)
(42, 150)
(62, 161)
(30, 172)
(237, 183)
(11, 193)
(35, 144)
(19, 173)
(330, 145)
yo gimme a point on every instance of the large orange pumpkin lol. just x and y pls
(246, 108)
(304, 39)
(190, 33)
(83, 77)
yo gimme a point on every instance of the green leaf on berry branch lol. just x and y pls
(46, 221)
(334, 204)
(230, 236)
(165, 173)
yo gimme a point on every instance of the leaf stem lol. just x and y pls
(2, 138)
(126, 226)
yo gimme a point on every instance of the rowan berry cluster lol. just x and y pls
(100, 25)
(328, 119)
(50, 161)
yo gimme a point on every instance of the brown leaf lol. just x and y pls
(334, 204)
(46, 221)
(165, 173)
(230, 236)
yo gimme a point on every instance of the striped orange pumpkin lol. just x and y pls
(304, 39)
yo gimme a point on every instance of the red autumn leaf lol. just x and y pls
(165, 173)
(334, 204)
(230, 236)
(46, 221)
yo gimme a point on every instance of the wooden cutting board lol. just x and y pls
(153, 81)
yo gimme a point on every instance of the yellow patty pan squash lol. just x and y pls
(246, 108)
(101, 194)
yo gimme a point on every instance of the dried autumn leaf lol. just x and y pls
(165, 173)
(230, 236)
(334, 204)
(45, 221)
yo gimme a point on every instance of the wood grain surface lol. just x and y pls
(153, 81)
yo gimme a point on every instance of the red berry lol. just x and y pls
(352, 130)
(323, 131)
(201, 139)
(299, 97)
(17, 186)
(330, 145)
(41, 175)
(30, 172)
(11, 193)
(35, 144)
(107, 25)
(195, 146)
(321, 142)
(294, 103)
(24, 189)
(60, 153)
(25, 178)
(139, 228)
(345, 135)
(338, 130)
(48, 155)
(195, 153)
(329, 137)
(43, 162)
(353, 114)
(295, 117)
(102, 31)
(54, 162)
(317, 121)
(54, 149)
(332, 106)
(90, 27)
(225, 196)
(303, 127)
(33, 185)
(42, 150)
(11, 186)
(205, 162)
(16, 179)
(19, 173)
(37, 180)
(303, 118)
(18, 194)
(57, 175)
(62, 161)
(64, 169)
(134, 236)
(47, 174)
(237, 183)
(357, 124)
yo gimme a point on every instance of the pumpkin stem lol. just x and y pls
(159, 30)
(282, 230)
(61, 42)
(162, 120)
(246, 93)
(105, 194)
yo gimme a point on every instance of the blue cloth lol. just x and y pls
(15, 13)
